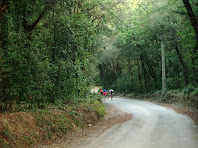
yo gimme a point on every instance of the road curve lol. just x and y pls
(152, 126)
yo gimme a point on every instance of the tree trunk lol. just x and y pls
(145, 73)
(183, 66)
(139, 75)
(3, 9)
(4, 79)
(194, 23)
(163, 69)
(151, 71)
(185, 70)
(54, 31)
(30, 27)
(130, 69)
(192, 19)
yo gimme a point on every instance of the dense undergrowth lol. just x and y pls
(44, 126)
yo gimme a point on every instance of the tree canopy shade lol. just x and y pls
(146, 24)
(54, 50)
(47, 50)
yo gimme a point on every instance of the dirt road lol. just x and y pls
(152, 126)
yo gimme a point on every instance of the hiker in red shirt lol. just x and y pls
(105, 93)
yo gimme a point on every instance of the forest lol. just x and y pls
(56, 50)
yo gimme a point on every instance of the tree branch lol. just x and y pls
(183, 13)
(48, 6)
(196, 4)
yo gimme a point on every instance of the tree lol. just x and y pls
(48, 51)
(194, 23)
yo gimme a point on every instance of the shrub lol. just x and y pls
(189, 89)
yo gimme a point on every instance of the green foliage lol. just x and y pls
(55, 50)
(52, 61)
(138, 47)
(189, 89)
(194, 94)
(99, 109)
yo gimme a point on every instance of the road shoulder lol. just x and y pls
(113, 116)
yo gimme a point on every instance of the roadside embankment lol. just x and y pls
(113, 116)
(44, 126)
(182, 102)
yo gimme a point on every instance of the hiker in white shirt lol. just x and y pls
(111, 93)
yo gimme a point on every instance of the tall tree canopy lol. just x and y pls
(141, 26)
(54, 50)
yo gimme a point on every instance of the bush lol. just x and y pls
(189, 89)
(99, 109)
(194, 93)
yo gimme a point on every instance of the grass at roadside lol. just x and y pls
(44, 126)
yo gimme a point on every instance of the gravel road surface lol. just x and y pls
(152, 126)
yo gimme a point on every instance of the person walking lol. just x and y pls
(104, 90)
(111, 93)
(105, 93)
(101, 91)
